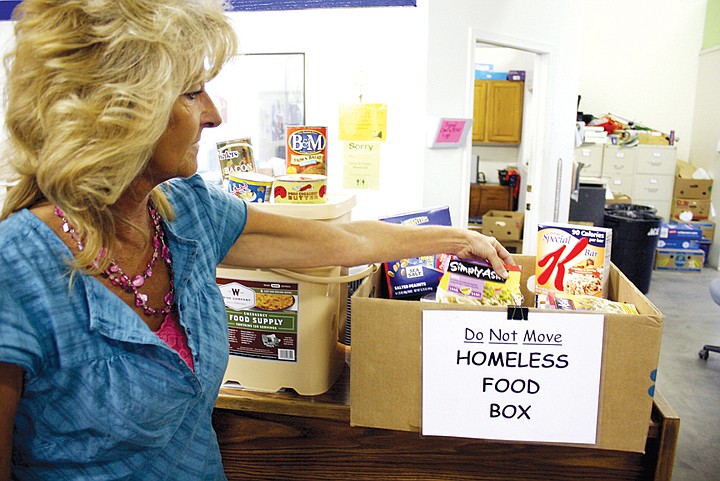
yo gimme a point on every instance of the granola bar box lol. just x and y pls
(574, 259)
(418, 276)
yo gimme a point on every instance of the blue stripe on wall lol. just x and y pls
(303, 4)
(7, 6)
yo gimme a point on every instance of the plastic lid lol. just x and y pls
(337, 205)
(629, 207)
(634, 215)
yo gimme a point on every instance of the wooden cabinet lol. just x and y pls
(497, 111)
(268, 435)
(485, 197)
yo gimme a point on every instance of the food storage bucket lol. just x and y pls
(285, 326)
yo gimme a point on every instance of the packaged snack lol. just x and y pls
(415, 277)
(468, 281)
(574, 302)
(574, 259)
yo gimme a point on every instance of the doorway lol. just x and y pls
(490, 51)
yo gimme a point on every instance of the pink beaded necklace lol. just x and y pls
(131, 284)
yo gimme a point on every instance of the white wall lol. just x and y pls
(706, 130)
(640, 61)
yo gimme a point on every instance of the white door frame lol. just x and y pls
(534, 150)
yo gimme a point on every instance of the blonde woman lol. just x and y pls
(113, 336)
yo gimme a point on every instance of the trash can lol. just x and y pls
(636, 230)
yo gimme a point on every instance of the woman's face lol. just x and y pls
(176, 152)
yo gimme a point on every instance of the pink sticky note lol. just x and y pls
(450, 131)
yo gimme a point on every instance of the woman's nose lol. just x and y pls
(211, 116)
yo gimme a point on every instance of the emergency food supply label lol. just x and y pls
(262, 318)
(488, 377)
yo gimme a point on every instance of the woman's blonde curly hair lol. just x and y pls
(90, 89)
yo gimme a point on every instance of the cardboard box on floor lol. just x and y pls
(386, 368)
(503, 224)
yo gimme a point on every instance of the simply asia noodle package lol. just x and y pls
(574, 259)
(467, 281)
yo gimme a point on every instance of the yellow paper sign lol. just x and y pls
(363, 122)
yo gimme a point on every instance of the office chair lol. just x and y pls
(715, 294)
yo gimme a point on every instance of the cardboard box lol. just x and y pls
(516, 75)
(700, 209)
(651, 138)
(680, 235)
(503, 224)
(513, 247)
(692, 188)
(490, 75)
(678, 244)
(707, 227)
(705, 247)
(619, 198)
(688, 188)
(386, 370)
(687, 260)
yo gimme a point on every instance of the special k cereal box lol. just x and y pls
(574, 259)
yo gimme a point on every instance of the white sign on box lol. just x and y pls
(488, 377)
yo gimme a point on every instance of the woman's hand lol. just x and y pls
(487, 248)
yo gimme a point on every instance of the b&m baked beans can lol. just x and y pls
(306, 150)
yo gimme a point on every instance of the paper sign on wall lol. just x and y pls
(363, 122)
(361, 169)
(485, 376)
(447, 133)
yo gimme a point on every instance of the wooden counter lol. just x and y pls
(284, 436)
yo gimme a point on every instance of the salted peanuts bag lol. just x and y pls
(418, 276)
(574, 259)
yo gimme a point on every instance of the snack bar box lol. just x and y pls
(707, 227)
(680, 236)
(386, 369)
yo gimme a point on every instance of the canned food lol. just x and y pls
(300, 189)
(235, 156)
(306, 150)
(251, 186)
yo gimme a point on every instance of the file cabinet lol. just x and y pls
(646, 173)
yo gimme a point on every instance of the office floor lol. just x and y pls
(690, 385)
